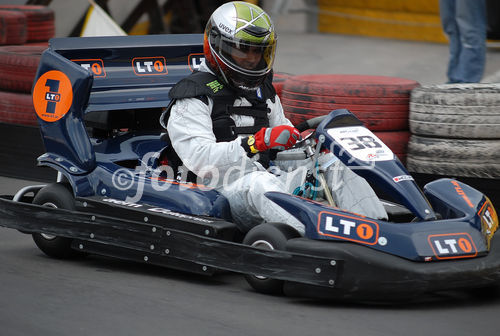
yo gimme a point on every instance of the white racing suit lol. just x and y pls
(242, 180)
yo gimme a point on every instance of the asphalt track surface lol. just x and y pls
(103, 296)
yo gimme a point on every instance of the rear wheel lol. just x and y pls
(55, 195)
(269, 236)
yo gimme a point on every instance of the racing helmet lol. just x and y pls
(240, 44)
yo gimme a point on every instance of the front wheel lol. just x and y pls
(268, 236)
(56, 195)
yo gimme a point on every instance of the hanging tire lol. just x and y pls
(18, 66)
(454, 157)
(268, 236)
(56, 195)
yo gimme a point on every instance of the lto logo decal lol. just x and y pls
(348, 228)
(195, 60)
(149, 66)
(52, 96)
(94, 65)
(452, 245)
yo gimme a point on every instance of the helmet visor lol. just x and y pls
(253, 59)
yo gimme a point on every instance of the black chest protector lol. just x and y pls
(203, 84)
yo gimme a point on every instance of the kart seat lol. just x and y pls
(103, 124)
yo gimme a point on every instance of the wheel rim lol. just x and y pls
(264, 245)
(45, 235)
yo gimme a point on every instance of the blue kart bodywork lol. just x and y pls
(108, 146)
(128, 97)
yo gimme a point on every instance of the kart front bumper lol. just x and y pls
(368, 274)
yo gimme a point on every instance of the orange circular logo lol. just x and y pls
(52, 96)
(96, 69)
(364, 231)
(465, 245)
(158, 66)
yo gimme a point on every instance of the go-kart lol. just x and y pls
(98, 101)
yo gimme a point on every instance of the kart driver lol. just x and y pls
(224, 119)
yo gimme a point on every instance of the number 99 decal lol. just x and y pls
(52, 96)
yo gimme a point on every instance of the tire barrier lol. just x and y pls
(376, 118)
(18, 65)
(279, 79)
(454, 157)
(26, 31)
(40, 21)
(17, 108)
(455, 130)
(13, 27)
(380, 102)
(469, 111)
(397, 141)
(20, 142)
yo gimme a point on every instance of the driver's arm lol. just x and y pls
(277, 116)
(190, 130)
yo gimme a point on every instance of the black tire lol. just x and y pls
(40, 21)
(14, 27)
(270, 236)
(468, 111)
(18, 66)
(378, 101)
(56, 195)
(454, 157)
(17, 108)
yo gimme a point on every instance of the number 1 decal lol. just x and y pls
(52, 96)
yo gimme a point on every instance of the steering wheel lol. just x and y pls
(306, 125)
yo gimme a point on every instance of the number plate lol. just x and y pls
(361, 143)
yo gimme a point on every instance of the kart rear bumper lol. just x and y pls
(370, 274)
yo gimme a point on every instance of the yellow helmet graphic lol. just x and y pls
(240, 44)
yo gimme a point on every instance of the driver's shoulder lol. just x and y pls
(198, 84)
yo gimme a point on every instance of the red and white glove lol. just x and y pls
(279, 137)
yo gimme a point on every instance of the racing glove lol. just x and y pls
(279, 138)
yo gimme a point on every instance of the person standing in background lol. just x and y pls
(464, 22)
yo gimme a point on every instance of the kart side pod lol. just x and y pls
(466, 230)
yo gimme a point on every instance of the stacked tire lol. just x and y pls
(380, 102)
(455, 130)
(24, 35)
(40, 24)
(279, 79)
